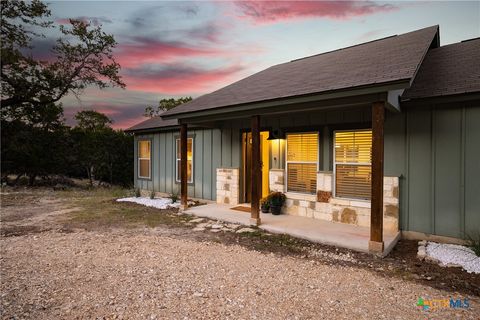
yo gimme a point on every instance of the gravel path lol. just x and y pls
(139, 275)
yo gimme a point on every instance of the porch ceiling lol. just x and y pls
(288, 106)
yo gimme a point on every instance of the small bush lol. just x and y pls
(174, 197)
(473, 242)
(137, 192)
(152, 195)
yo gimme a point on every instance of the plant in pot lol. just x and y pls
(265, 205)
(277, 200)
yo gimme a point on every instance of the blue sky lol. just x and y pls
(177, 48)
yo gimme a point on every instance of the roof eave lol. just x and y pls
(459, 97)
(334, 94)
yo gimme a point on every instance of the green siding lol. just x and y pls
(434, 150)
(471, 174)
(440, 180)
(213, 148)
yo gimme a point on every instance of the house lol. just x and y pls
(383, 135)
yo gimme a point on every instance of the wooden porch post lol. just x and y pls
(255, 173)
(183, 165)
(376, 213)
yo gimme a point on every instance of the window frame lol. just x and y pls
(149, 177)
(334, 174)
(301, 162)
(177, 141)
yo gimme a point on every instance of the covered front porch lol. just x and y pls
(367, 211)
(336, 234)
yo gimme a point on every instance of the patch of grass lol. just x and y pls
(98, 208)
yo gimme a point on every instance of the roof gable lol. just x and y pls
(448, 70)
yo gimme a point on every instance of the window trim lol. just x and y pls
(301, 162)
(334, 174)
(177, 139)
(149, 177)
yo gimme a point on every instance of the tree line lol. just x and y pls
(91, 149)
(35, 140)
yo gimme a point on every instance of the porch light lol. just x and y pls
(276, 134)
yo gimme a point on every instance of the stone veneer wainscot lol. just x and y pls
(324, 206)
(228, 188)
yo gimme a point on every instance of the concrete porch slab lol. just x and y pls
(315, 230)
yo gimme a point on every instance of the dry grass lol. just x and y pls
(98, 209)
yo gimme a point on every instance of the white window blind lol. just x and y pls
(302, 162)
(353, 164)
(144, 159)
(189, 160)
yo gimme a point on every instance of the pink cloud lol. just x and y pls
(179, 79)
(147, 50)
(275, 11)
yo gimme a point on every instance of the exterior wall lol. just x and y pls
(325, 207)
(228, 186)
(432, 149)
(213, 148)
(435, 150)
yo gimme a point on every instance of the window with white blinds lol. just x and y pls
(302, 162)
(353, 164)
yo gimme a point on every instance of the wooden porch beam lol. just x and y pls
(255, 172)
(376, 213)
(183, 166)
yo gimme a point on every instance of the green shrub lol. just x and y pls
(174, 196)
(473, 242)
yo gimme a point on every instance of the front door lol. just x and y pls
(247, 164)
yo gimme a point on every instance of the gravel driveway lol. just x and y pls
(141, 274)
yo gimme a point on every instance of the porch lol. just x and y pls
(302, 174)
(336, 234)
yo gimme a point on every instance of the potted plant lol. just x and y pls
(277, 200)
(265, 205)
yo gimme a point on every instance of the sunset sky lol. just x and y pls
(173, 49)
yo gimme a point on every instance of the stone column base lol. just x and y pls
(375, 247)
(255, 221)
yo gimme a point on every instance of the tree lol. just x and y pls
(83, 57)
(164, 105)
(91, 120)
(89, 136)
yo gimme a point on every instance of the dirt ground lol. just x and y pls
(79, 254)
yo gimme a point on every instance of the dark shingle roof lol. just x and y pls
(449, 70)
(152, 123)
(383, 61)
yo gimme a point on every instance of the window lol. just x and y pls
(353, 164)
(302, 162)
(144, 159)
(189, 160)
